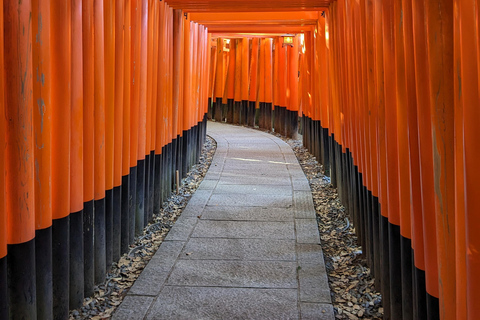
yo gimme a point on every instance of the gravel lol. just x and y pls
(124, 272)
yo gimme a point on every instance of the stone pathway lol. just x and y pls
(245, 247)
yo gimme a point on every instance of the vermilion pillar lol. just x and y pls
(76, 162)
(88, 145)
(19, 161)
(61, 54)
(42, 97)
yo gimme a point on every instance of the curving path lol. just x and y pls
(245, 247)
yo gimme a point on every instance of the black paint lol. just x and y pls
(117, 223)
(43, 270)
(125, 211)
(88, 248)
(21, 280)
(108, 228)
(100, 262)
(4, 289)
(76, 261)
(140, 198)
(60, 267)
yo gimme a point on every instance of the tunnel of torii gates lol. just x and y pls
(104, 101)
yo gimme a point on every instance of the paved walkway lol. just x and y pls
(245, 247)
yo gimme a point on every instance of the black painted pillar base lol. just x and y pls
(326, 152)
(157, 197)
(21, 281)
(218, 113)
(76, 261)
(230, 111)
(108, 228)
(385, 266)
(4, 289)
(395, 271)
(276, 119)
(268, 116)
(140, 199)
(251, 114)
(419, 293)
(210, 109)
(261, 117)
(294, 123)
(407, 277)
(244, 113)
(100, 261)
(117, 223)
(333, 163)
(151, 184)
(132, 201)
(43, 270)
(433, 308)
(185, 153)
(146, 191)
(237, 105)
(88, 248)
(125, 195)
(376, 242)
(60, 267)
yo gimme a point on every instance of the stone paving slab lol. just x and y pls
(250, 200)
(260, 180)
(244, 229)
(303, 202)
(187, 303)
(307, 231)
(239, 249)
(133, 307)
(316, 311)
(246, 246)
(232, 273)
(254, 189)
(151, 280)
(233, 213)
(313, 283)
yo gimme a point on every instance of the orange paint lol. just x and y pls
(119, 93)
(245, 65)
(237, 92)
(425, 147)
(109, 66)
(440, 52)
(88, 101)
(135, 80)
(252, 95)
(187, 79)
(402, 125)
(468, 18)
(19, 149)
(268, 70)
(76, 156)
(3, 212)
(42, 97)
(261, 73)
(414, 159)
(470, 94)
(177, 76)
(99, 99)
(61, 55)
(150, 67)
(160, 140)
(142, 24)
(127, 88)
